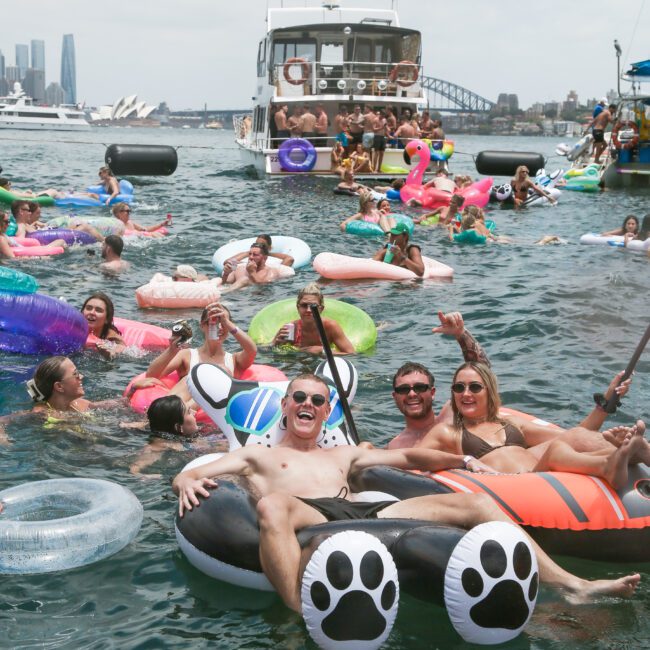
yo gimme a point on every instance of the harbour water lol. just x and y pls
(557, 321)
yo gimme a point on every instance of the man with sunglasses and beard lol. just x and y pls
(297, 484)
(414, 385)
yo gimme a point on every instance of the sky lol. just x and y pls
(192, 52)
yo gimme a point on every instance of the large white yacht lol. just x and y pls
(334, 57)
(17, 111)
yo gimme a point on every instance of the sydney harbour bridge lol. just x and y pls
(442, 96)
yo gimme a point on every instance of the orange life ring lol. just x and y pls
(408, 67)
(293, 60)
(629, 144)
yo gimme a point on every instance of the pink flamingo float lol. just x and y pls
(477, 193)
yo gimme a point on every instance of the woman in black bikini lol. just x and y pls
(511, 443)
(521, 183)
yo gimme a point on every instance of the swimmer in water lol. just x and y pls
(99, 311)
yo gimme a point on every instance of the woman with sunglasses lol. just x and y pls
(513, 444)
(216, 324)
(303, 333)
(521, 184)
(122, 211)
(369, 212)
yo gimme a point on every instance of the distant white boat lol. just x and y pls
(17, 111)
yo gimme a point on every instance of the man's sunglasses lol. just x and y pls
(460, 386)
(405, 389)
(300, 396)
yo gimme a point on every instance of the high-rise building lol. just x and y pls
(12, 73)
(34, 84)
(54, 95)
(69, 70)
(4, 87)
(38, 55)
(2, 65)
(22, 59)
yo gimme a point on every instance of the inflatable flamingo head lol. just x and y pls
(417, 148)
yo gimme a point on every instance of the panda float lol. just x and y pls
(486, 578)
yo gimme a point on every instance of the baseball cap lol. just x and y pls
(400, 229)
(603, 101)
(186, 271)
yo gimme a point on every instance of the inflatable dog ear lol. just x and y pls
(250, 412)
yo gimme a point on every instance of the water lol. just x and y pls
(557, 322)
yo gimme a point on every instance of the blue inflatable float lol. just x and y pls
(125, 196)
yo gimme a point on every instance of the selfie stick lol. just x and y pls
(630, 367)
(335, 374)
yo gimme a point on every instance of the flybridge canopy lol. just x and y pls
(281, 18)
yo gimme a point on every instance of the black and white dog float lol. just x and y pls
(486, 578)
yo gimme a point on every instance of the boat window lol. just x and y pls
(261, 58)
(36, 114)
(410, 48)
(362, 50)
(331, 54)
(304, 49)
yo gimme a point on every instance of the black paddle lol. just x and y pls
(335, 373)
(613, 400)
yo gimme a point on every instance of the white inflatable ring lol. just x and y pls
(59, 524)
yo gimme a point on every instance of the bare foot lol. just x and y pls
(617, 435)
(615, 472)
(622, 587)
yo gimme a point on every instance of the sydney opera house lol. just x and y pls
(125, 110)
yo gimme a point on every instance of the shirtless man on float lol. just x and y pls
(255, 271)
(297, 480)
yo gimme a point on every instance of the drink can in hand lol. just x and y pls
(291, 332)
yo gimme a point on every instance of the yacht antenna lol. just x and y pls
(617, 47)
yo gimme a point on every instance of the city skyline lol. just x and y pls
(206, 53)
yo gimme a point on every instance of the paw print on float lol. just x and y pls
(350, 592)
(491, 583)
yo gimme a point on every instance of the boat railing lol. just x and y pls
(301, 77)
(243, 125)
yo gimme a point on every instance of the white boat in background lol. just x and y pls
(333, 57)
(17, 111)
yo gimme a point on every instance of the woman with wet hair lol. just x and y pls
(99, 311)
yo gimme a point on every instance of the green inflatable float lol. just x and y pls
(10, 197)
(356, 324)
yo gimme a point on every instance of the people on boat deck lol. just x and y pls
(187, 273)
(368, 136)
(320, 128)
(405, 131)
(112, 255)
(400, 252)
(294, 123)
(369, 212)
(231, 263)
(630, 226)
(305, 333)
(643, 232)
(291, 499)
(280, 119)
(598, 126)
(255, 271)
(308, 125)
(216, 324)
(355, 127)
(522, 183)
(341, 126)
(510, 443)
(379, 144)
(337, 156)
(360, 160)
(122, 211)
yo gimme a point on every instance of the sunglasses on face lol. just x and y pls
(307, 305)
(405, 389)
(126, 210)
(300, 396)
(460, 386)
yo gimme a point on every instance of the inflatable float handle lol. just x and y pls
(630, 367)
(335, 373)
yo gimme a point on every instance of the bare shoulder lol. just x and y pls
(441, 436)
